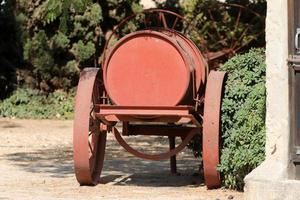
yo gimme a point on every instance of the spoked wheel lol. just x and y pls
(88, 139)
(211, 129)
(214, 41)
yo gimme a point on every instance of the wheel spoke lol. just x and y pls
(95, 128)
(91, 112)
(163, 19)
(175, 22)
(241, 37)
(91, 149)
(214, 24)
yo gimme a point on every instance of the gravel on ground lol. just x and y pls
(36, 163)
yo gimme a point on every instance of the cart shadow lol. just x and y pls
(155, 179)
(9, 124)
(120, 168)
(138, 172)
(56, 162)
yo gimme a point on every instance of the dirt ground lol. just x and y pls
(36, 163)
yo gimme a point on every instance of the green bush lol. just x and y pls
(62, 37)
(236, 24)
(28, 103)
(243, 117)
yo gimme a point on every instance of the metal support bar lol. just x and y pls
(161, 130)
(160, 156)
(145, 110)
(172, 158)
(169, 114)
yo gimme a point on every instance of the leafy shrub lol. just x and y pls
(243, 117)
(223, 23)
(28, 103)
(62, 37)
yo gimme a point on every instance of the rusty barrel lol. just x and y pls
(154, 68)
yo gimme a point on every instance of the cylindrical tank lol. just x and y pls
(153, 68)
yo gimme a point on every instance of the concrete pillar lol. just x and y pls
(270, 179)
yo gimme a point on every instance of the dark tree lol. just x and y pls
(10, 48)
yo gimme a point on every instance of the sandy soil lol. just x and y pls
(36, 163)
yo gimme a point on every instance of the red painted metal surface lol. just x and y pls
(88, 140)
(145, 110)
(169, 114)
(189, 135)
(201, 66)
(167, 119)
(155, 63)
(211, 129)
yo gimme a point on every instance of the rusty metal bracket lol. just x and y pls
(156, 157)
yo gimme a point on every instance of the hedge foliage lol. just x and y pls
(59, 38)
(243, 117)
(29, 103)
(237, 24)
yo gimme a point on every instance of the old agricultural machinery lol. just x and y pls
(152, 81)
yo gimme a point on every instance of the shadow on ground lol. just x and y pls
(120, 168)
(151, 179)
(9, 124)
(57, 162)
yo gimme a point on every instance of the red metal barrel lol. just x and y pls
(153, 68)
